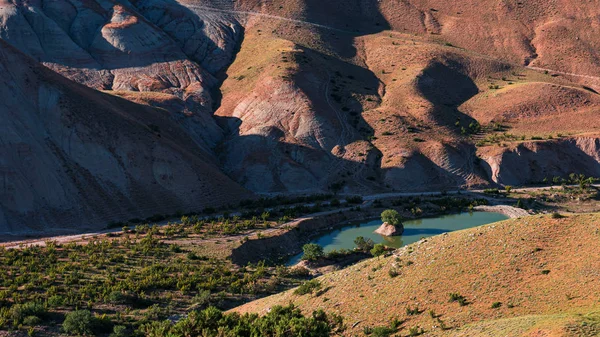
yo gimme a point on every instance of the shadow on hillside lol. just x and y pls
(546, 160)
(281, 151)
(349, 19)
(339, 84)
(419, 173)
(269, 162)
(186, 27)
(447, 86)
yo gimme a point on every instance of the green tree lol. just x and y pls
(581, 180)
(378, 250)
(80, 323)
(265, 216)
(312, 252)
(363, 244)
(391, 216)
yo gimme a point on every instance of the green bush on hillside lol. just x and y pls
(312, 252)
(18, 313)
(83, 323)
(378, 250)
(308, 287)
(280, 321)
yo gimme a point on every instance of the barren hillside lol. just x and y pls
(75, 158)
(309, 96)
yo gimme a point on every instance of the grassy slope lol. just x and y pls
(502, 262)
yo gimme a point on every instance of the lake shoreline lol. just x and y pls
(510, 211)
(287, 243)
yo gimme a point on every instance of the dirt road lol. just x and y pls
(368, 201)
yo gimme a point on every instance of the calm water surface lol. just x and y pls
(414, 230)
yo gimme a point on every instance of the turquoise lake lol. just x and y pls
(414, 230)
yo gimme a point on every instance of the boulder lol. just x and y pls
(387, 229)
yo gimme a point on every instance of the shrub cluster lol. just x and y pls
(280, 321)
(136, 270)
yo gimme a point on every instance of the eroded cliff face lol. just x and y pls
(72, 157)
(140, 46)
(532, 162)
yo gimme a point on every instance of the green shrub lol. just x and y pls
(363, 244)
(557, 215)
(19, 312)
(55, 301)
(312, 252)
(192, 256)
(32, 320)
(81, 323)
(378, 250)
(357, 199)
(120, 331)
(117, 297)
(412, 311)
(202, 298)
(308, 287)
(379, 331)
(496, 305)
(280, 321)
(383, 331)
(415, 331)
(338, 253)
(298, 271)
(456, 297)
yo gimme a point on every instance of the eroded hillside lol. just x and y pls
(76, 158)
(304, 96)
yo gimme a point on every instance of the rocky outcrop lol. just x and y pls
(387, 229)
(532, 162)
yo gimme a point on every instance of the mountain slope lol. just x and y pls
(76, 158)
(307, 96)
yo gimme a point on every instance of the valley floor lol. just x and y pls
(516, 275)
